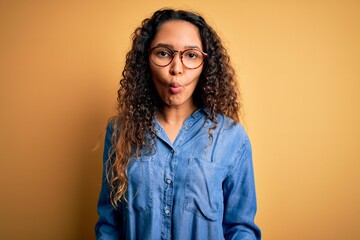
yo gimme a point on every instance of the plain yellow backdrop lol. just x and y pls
(298, 63)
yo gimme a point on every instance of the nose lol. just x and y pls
(176, 66)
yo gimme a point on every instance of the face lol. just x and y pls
(175, 83)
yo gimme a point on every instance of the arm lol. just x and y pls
(108, 225)
(240, 198)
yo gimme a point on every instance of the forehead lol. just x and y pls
(177, 33)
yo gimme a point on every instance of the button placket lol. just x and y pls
(168, 193)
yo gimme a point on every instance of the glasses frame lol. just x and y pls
(180, 54)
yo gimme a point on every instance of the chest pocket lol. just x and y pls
(203, 190)
(140, 185)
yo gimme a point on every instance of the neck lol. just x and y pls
(175, 115)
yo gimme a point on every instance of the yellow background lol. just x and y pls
(299, 68)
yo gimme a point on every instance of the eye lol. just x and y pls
(192, 54)
(162, 53)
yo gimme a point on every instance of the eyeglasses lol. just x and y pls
(191, 58)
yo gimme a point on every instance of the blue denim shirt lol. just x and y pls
(190, 189)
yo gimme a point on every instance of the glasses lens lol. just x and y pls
(192, 58)
(161, 56)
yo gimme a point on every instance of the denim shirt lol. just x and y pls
(193, 188)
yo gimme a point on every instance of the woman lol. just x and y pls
(177, 164)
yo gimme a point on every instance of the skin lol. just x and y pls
(174, 83)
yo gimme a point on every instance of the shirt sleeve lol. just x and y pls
(109, 223)
(240, 198)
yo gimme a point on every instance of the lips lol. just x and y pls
(175, 88)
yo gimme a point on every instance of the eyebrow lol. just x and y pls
(172, 47)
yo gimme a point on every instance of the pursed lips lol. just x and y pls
(175, 88)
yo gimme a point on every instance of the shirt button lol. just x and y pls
(166, 211)
(168, 181)
(172, 150)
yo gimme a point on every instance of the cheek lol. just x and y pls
(197, 74)
(157, 74)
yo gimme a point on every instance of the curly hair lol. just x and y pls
(138, 100)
